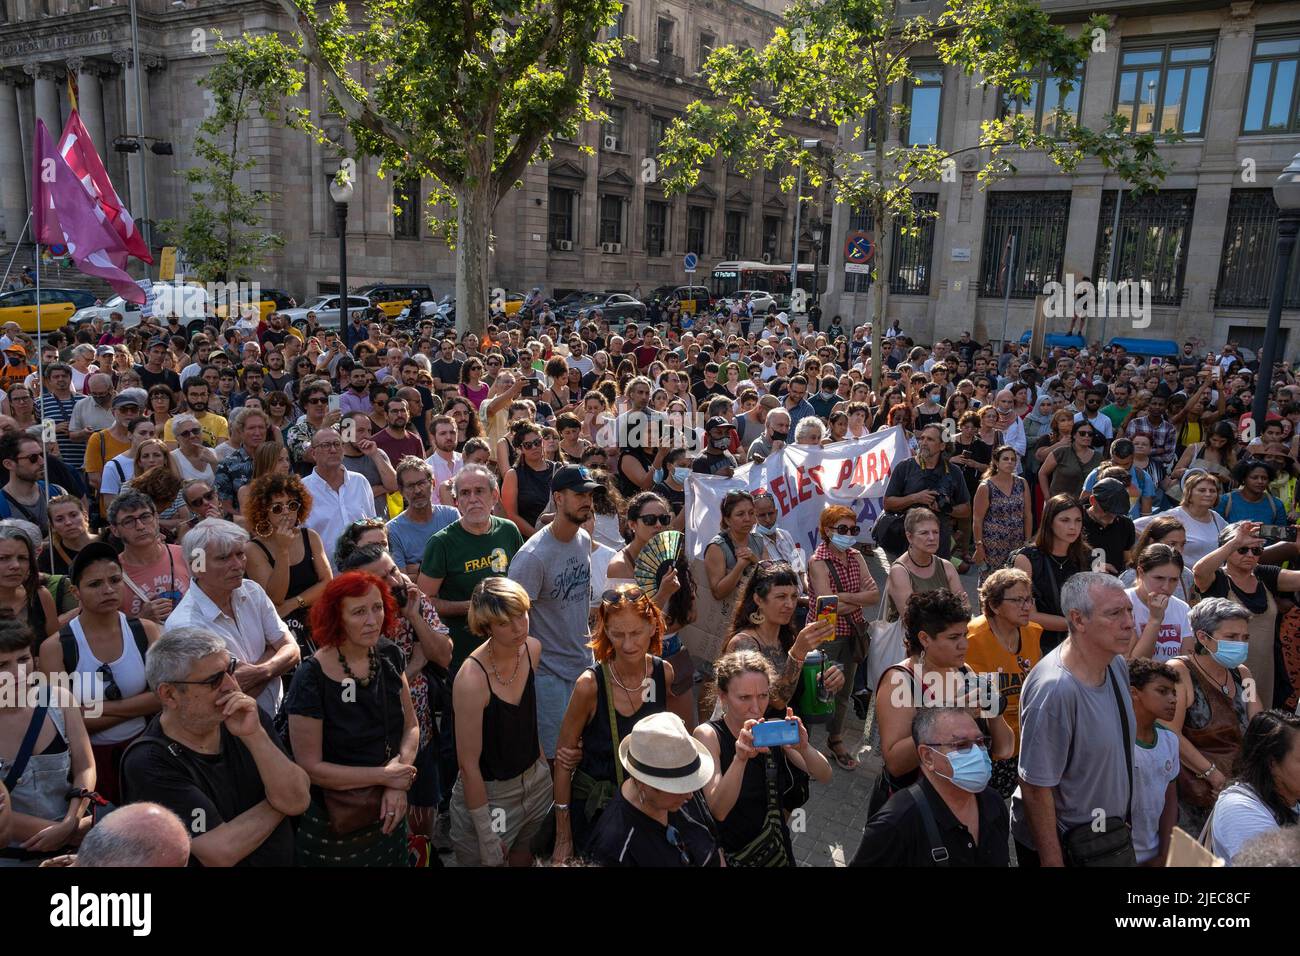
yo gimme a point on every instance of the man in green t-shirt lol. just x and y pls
(1118, 410)
(465, 552)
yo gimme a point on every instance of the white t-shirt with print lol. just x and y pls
(1174, 630)
(1154, 768)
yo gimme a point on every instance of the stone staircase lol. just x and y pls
(53, 276)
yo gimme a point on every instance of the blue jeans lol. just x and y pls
(553, 695)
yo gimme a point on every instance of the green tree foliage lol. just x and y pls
(466, 94)
(221, 234)
(845, 63)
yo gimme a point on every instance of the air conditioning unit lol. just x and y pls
(613, 248)
(564, 245)
(767, 257)
(611, 142)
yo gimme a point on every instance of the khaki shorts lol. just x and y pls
(518, 807)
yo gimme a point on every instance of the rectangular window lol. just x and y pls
(656, 227)
(658, 127)
(664, 37)
(611, 219)
(1271, 93)
(697, 230)
(406, 209)
(1049, 107)
(1165, 87)
(561, 215)
(613, 128)
(771, 236)
(923, 102)
(706, 47)
(1025, 231)
(1249, 254)
(734, 240)
(910, 258)
(1154, 232)
(619, 27)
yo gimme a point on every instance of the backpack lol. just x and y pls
(68, 644)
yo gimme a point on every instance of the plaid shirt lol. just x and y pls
(1162, 437)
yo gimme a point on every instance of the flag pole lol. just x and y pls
(17, 245)
(40, 390)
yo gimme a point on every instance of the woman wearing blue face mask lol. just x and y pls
(955, 768)
(1213, 706)
(670, 484)
(838, 568)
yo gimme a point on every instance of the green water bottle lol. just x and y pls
(813, 703)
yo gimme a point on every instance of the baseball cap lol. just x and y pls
(1112, 496)
(573, 478)
(126, 398)
(717, 421)
(15, 347)
(157, 341)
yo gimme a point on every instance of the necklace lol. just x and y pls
(918, 564)
(374, 667)
(613, 672)
(1225, 689)
(497, 674)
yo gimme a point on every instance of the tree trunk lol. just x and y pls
(476, 200)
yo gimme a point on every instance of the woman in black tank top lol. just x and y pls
(504, 777)
(628, 682)
(754, 790)
(526, 489)
(287, 560)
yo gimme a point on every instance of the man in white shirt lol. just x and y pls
(222, 601)
(339, 496)
(1101, 424)
(445, 460)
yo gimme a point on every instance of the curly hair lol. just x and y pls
(326, 618)
(601, 646)
(930, 612)
(258, 510)
(160, 483)
(767, 576)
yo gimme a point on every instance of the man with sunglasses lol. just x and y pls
(951, 816)
(25, 494)
(213, 758)
(197, 395)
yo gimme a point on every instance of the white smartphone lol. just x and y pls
(334, 403)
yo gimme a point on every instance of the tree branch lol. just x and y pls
(525, 146)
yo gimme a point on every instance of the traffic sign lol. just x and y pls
(859, 247)
(690, 261)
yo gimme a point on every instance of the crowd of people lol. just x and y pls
(366, 600)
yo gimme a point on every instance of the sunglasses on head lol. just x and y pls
(213, 682)
(628, 592)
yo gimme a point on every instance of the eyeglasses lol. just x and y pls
(213, 682)
(494, 362)
(279, 508)
(137, 521)
(1256, 550)
(189, 433)
(418, 485)
(675, 841)
(628, 592)
(530, 444)
(194, 503)
(963, 746)
(847, 529)
(111, 690)
(30, 459)
(664, 520)
(318, 400)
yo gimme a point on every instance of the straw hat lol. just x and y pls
(661, 753)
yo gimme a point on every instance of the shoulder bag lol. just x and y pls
(938, 851)
(352, 810)
(1085, 846)
(859, 630)
(768, 848)
(885, 646)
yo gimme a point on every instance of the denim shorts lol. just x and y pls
(553, 695)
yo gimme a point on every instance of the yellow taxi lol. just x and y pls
(57, 306)
(392, 297)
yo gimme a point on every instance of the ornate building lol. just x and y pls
(579, 221)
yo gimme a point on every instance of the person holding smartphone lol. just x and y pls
(754, 788)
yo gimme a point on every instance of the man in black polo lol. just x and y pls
(929, 481)
(967, 822)
(717, 458)
(1106, 525)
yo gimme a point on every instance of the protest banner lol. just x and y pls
(803, 480)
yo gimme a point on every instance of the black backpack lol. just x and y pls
(68, 644)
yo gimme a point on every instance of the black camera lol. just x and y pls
(942, 503)
(399, 595)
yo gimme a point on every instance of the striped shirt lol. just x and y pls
(53, 409)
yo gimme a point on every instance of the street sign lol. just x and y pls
(859, 247)
(689, 262)
(857, 268)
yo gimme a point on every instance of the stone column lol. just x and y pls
(13, 192)
(47, 97)
(134, 161)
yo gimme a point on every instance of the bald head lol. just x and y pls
(139, 834)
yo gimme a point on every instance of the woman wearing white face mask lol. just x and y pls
(1213, 707)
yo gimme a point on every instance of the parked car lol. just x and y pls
(393, 297)
(697, 294)
(327, 309)
(269, 300)
(759, 298)
(57, 307)
(188, 300)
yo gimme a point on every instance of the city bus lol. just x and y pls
(771, 277)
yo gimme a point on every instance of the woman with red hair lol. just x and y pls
(353, 728)
(629, 681)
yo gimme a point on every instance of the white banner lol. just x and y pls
(803, 480)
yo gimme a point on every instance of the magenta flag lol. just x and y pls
(63, 212)
(78, 149)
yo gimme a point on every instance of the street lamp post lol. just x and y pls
(1286, 193)
(815, 229)
(341, 193)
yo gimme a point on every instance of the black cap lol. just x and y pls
(717, 421)
(95, 551)
(573, 478)
(157, 341)
(1111, 496)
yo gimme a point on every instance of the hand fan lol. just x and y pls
(659, 554)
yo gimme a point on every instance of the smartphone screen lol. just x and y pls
(334, 403)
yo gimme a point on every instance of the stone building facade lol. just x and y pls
(1223, 74)
(581, 220)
